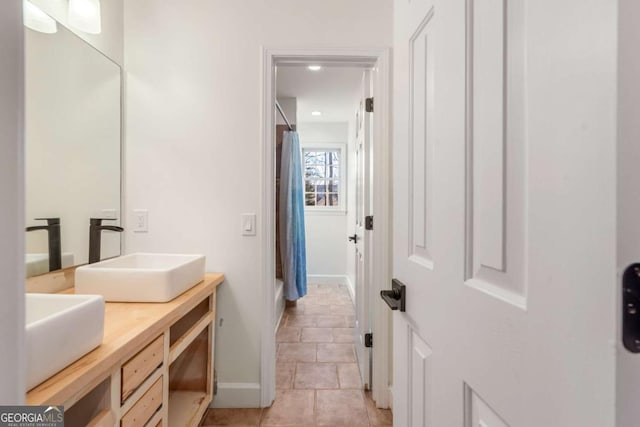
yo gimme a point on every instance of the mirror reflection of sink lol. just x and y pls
(37, 264)
(60, 329)
(141, 277)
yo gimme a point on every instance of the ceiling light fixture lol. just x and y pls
(85, 15)
(35, 19)
(314, 67)
(316, 113)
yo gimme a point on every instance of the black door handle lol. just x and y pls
(396, 296)
(353, 238)
(631, 308)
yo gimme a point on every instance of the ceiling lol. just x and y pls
(333, 91)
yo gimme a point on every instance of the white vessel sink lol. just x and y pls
(37, 264)
(60, 329)
(141, 277)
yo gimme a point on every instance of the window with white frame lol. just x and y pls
(323, 178)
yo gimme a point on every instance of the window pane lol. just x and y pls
(314, 158)
(315, 171)
(322, 177)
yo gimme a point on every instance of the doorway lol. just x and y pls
(323, 196)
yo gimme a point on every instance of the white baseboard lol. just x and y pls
(390, 398)
(237, 395)
(352, 290)
(280, 317)
(320, 279)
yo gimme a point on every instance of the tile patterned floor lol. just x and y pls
(317, 377)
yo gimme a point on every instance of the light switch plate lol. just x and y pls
(248, 224)
(140, 221)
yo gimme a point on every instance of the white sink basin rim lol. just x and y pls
(60, 329)
(141, 277)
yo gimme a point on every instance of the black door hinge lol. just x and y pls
(368, 340)
(368, 105)
(368, 222)
(215, 382)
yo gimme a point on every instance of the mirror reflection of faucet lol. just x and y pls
(95, 236)
(55, 245)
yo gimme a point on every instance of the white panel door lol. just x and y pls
(428, 216)
(628, 336)
(503, 233)
(361, 239)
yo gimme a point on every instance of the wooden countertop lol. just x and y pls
(128, 327)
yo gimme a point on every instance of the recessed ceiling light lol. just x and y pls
(316, 113)
(314, 67)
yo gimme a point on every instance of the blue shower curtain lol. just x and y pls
(292, 241)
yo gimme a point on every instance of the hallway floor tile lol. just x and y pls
(317, 376)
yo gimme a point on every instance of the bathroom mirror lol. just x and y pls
(72, 146)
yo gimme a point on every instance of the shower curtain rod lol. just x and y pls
(279, 108)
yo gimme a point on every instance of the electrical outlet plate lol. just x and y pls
(140, 221)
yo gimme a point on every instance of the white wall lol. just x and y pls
(326, 232)
(110, 41)
(12, 365)
(194, 135)
(326, 237)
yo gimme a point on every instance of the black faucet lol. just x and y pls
(55, 246)
(95, 236)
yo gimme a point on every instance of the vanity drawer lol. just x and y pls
(144, 408)
(140, 366)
